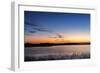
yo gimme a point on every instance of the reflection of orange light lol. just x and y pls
(66, 39)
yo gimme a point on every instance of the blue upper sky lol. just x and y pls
(56, 22)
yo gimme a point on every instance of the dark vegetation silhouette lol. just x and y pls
(53, 44)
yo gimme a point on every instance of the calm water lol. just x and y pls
(57, 52)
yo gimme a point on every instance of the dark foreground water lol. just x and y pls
(57, 52)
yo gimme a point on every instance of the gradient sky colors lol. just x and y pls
(54, 27)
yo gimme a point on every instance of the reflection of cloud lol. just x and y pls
(31, 28)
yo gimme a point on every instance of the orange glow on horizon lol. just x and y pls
(72, 38)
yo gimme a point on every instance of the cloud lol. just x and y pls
(59, 35)
(31, 24)
(34, 28)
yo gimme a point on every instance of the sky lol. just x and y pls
(55, 27)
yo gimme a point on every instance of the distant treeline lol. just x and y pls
(53, 44)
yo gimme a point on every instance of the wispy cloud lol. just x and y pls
(32, 28)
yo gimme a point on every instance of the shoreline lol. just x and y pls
(52, 44)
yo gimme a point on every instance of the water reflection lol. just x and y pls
(57, 52)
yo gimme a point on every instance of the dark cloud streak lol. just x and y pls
(33, 28)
